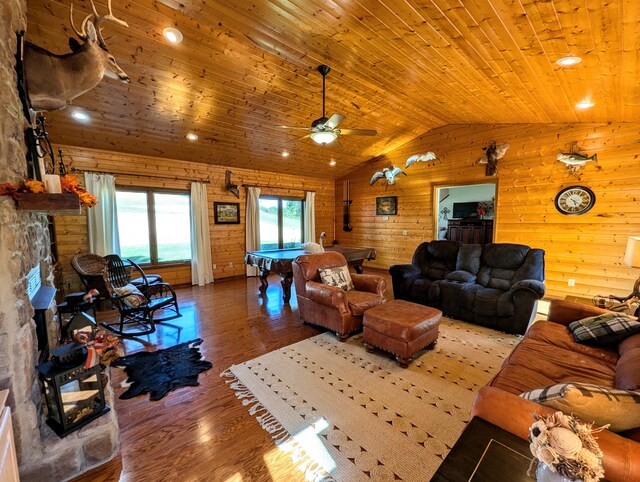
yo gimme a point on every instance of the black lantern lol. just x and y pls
(74, 394)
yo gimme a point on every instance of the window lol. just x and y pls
(281, 223)
(154, 226)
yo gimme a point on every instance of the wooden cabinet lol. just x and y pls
(8, 459)
(470, 231)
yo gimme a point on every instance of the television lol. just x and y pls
(465, 210)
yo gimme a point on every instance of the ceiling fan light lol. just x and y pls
(324, 137)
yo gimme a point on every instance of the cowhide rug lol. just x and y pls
(159, 372)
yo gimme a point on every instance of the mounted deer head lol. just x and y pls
(53, 81)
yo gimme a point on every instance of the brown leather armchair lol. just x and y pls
(340, 311)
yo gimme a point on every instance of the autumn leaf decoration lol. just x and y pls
(69, 184)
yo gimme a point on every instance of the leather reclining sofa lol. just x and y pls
(548, 355)
(494, 285)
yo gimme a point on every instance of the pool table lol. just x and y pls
(280, 261)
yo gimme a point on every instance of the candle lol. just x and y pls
(52, 183)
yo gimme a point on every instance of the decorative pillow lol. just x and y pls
(605, 329)
(132, 297)
(592, 403)
(339, 277)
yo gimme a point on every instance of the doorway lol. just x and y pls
(465, 213)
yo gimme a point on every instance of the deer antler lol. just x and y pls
(110, 17)
(82, 34)
(97, 20)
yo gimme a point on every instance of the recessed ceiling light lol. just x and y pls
(568, 61)
(80, 115)
(192, 137)
(285, 154)
(585, 104)
(332, 163)
(172, 34)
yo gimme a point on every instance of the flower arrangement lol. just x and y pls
(566, 446)
(485, 206)
(68, 182)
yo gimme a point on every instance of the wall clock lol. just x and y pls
(575, 200)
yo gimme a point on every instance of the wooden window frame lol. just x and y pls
(151, 220)
(280, 217)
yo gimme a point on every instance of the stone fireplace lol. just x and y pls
(25, 244)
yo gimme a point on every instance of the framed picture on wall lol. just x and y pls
(226, 213)
(387, 206)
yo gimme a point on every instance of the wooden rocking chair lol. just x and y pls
(137, 308)
(91, 269)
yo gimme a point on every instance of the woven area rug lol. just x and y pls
(348, 415)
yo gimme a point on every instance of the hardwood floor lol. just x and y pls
(204, 433)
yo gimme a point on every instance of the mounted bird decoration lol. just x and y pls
(54, 81)
(574, 160)
(388, 173)
(232, 188)
(428, 157)
(492, 154)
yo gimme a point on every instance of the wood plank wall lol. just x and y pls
(227, 241)
(587, 248)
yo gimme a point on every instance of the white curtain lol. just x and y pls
(252, 235)
(201, 267)
(102, 220)
(310, 217)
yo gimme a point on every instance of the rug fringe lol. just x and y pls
(282, 438)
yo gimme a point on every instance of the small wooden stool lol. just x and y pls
(401, 328)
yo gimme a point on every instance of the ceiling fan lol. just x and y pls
(325, 130)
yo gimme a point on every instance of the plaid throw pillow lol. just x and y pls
(604, 329)
(592, 403)
(339, 277)
(132, 297)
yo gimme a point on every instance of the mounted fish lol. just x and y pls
(492, 154)
(428, 157)
(388, 173)
(53, 81)
(229, 186)
(574, 161)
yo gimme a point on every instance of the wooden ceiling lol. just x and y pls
(402, 67)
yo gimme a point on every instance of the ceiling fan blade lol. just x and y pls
(335, 144)
(358, 132)
(334, 120)
(298, 138)
(293, 127)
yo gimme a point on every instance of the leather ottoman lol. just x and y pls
(401, 328)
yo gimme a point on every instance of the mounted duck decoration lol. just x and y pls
(388, 173)
(54, 81)
(428, 157)
(574, 160)
(492, 154)
(229, 186)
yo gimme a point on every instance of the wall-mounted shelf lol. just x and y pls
(48, 203)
